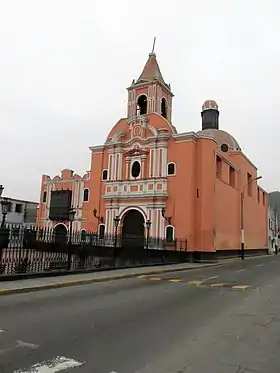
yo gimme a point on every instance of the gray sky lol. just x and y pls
(65, 66)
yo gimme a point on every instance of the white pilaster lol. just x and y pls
(115, 167)
(107, 221)
(109, 167)
(150, 162)
(155, 163)
(164, 162)
(120, 166)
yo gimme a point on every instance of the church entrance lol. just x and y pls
(133, 230)
(60, 234)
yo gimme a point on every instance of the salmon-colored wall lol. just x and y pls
(181, 189)
(205, 202)
(99, 162)
(228, 207)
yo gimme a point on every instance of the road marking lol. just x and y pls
(175, 280)
(26, 344)
(195, 282)
(52, 366)
(241, 287)
(142, 276)
(210, 278)
(240, 270)
(259, 265)
(2, 331)
(155, 278)
(217, 285)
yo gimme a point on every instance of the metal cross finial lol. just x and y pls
(154, 43)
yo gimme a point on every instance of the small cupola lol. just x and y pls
(210, 115)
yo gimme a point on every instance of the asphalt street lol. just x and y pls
(223, 319)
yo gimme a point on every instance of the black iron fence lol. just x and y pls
(34, 250)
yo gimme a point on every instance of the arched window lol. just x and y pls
(142, 104)
(101, 233)
(135, 169)
(45, 196)
(163, 107)
(171, 168)
(104, 174)
(86, 195)
(169, 233)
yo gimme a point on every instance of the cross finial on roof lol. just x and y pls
(154, 43)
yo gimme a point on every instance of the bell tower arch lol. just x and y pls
(150, 93)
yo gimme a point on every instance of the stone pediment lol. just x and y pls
(136, 152)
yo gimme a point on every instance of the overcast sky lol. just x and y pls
(65, 66)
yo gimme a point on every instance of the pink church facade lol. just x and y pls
(187, 185)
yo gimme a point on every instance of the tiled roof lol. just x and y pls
(221, 137)
(151, 71)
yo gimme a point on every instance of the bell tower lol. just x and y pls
(149, 93)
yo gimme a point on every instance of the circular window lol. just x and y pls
(135, 170)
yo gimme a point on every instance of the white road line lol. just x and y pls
(240, 270)
(210, 278)
(259, 265)
(26, 344)
(52, 366)
(2, 331)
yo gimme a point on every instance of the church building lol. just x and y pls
(188, 186)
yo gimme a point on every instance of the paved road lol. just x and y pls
(212, 320)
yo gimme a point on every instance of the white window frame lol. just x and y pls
(174, 169)
(84, 195)
(105, 169)
(131, 164)
(170, 226)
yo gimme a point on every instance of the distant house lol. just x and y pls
(22, 213)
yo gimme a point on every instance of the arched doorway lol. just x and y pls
(133, 230)
(60, 234)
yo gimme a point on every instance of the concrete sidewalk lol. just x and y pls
(35, 284)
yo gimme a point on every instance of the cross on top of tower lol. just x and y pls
(154, 43)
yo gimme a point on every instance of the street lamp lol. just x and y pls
(1, 189)
(242, 215)
(148, 226)
(71, 218)
(5, 205)
(116, 222)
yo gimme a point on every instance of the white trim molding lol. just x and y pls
(57, 224)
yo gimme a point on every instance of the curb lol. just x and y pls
(57, 285)
(237, 259)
